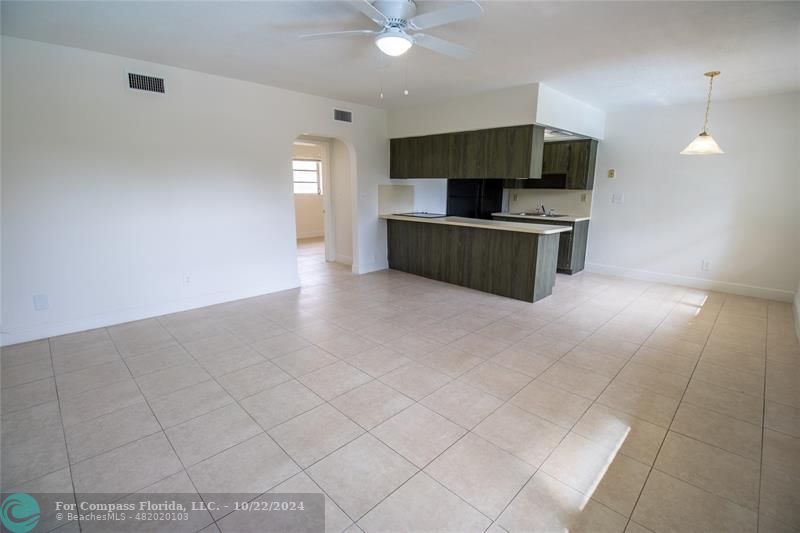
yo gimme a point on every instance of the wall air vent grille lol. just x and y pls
(340, 115)
(145, 83)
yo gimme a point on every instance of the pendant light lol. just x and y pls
(704, 144)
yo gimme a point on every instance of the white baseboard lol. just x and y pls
(51, 329)
(373, 267)
(694, 283)
(344, 259)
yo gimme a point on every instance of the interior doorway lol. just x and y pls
(321, 175)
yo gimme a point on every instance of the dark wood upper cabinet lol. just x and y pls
(507, 152)
(504, 153)
(556, 157)
(574, 161)
(429, 156)
(401, 151)
(467, 155)
(419, 157)
(582, 161)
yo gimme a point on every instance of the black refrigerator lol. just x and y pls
(474, 198)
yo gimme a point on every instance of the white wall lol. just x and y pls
(113, 198)
(738, 210)
(575, 203)
(429, 194)
(309, 216)
(395, 198)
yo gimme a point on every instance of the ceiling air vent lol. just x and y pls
(340, 115)
(145, 83)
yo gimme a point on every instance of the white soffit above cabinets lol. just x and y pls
(527, 104)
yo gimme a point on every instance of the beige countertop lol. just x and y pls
(521, 227)
(565, 218)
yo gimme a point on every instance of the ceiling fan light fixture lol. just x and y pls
(393, 43)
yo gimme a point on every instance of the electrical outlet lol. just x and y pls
(40, 302)
(612, 173)
(583, 198)
(188, 279)
(515, 196)
(705, 265)
(617, 198)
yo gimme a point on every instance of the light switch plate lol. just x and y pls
(40, 302)
(617, 198)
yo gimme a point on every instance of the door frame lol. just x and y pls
(328, 219)
(328, 224)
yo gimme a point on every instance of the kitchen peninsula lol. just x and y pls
(513, 259)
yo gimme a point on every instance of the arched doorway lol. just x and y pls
(324, 200)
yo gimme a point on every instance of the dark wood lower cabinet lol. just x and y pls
(514, 264)
(571, 245)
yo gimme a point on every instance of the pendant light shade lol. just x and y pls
(704, 144)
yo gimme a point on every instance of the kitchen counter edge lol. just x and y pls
(521, 227)
(566, 218)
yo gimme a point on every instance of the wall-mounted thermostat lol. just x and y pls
(612, 173)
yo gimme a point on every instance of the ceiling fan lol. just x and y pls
(400, 24)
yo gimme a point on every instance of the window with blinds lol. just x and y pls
(307, 176)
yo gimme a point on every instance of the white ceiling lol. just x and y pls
(611, 54)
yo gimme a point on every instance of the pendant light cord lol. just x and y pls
(708, 104)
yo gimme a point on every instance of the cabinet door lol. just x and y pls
(432, 156)
(582, 164)
(508, 152)
(467, 155)
(556, 157)
(402, 157)
(564, 251)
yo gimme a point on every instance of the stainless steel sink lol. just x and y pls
(539, 215)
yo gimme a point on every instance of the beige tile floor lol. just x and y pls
(613, 405)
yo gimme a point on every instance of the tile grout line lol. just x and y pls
(63, 434)
(263, 431)
(163, 431)
(716, 318)
(570, 430)
(412, 361)
(763, 425)
(451, 380)
(552, 362)
(214, 519)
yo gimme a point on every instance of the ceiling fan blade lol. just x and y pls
(441, 46)
(366, 7)
(455, 13)
(326, 35)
